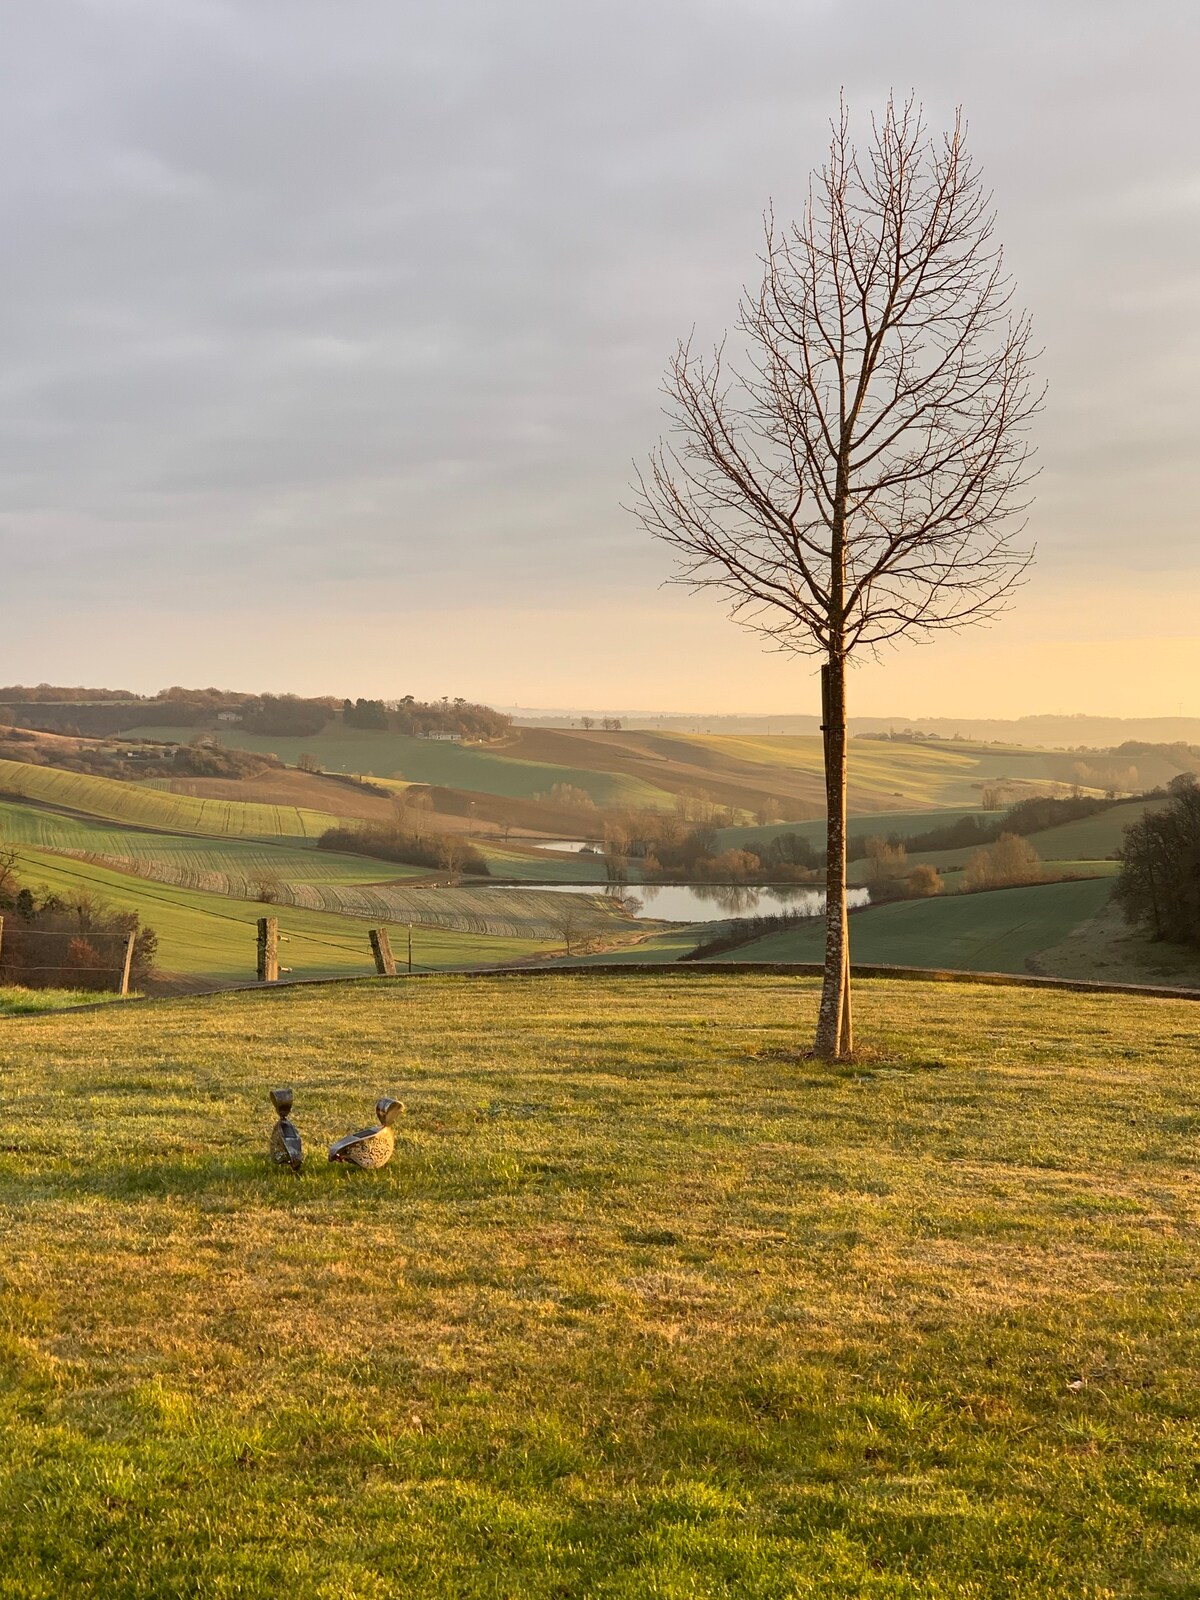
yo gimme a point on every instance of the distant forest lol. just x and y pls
(99, 713)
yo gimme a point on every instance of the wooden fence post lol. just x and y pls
(123, 986)
(1, 936)
(381, 949)
(268, 949)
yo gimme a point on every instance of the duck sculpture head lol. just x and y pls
(286, 1148)
(370, 1147)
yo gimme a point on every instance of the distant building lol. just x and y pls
(229, 716)
(442, 738)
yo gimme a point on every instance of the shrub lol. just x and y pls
(449, 852)
(74, 943)
(924, 881)
(1011, 860)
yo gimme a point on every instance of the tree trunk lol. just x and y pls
(834, 1040)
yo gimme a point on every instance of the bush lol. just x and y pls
(75, 943)
(1010, 861)
(924, 881)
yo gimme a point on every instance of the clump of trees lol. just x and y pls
(569, 796)
(416, 717)
(71, 941)
(447, 852)
(286, 716)
(1010, 861)
(1159, 883)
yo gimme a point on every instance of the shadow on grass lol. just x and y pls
(253, 1180)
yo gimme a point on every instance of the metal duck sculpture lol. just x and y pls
(286, 1148)
(370, 1147)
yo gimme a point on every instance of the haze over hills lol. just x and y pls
(1048, 730)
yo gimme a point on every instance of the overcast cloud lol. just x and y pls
(357, 303)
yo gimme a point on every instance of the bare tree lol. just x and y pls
(566, 922)
(859, 475)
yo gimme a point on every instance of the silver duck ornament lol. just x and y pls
(286, 1148)
(370, 1147)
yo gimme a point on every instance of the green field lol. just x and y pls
(939, 774)
(211, 938)
(195, 855)
(645, 1305)
(1092, 838)
(996, 931)
(481, 770)
(141, 806)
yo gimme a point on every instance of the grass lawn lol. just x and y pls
(644, 1305)
(995, 931)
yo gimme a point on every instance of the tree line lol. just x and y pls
(1158, 887)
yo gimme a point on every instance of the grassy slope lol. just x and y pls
(993, 932)
(648, 767)
(503, 771)
(1092, 838)
(142, 806)
(642, 1307)
(287, 858)
(212, 937)
(1106, 947)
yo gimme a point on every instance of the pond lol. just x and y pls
(708, 902)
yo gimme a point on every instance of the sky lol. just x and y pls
(332, 331)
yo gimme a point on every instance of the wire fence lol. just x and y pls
(83, 958)
(38, 958)
(65, 957)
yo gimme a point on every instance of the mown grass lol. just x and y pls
(645, 1304)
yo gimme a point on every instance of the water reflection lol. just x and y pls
(709, 902)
